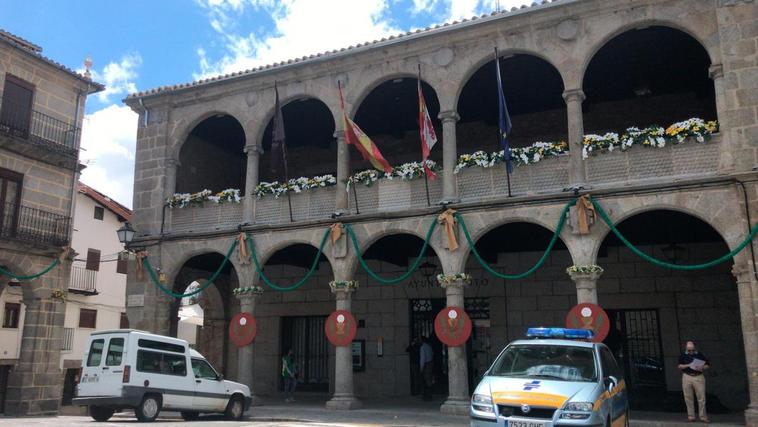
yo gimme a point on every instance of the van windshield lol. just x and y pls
(554, 362)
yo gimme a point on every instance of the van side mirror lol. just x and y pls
(611, 382)
(219, 377)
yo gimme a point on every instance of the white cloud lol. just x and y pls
(118, 77)
(108, 144)
(301, 27)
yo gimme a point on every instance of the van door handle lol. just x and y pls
(105, 368)
(198, 381)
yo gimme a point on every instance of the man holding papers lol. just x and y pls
(693, 363)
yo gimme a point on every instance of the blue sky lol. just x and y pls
(140, 44)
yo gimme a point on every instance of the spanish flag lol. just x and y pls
(355, 136)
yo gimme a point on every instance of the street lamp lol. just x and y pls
(125, 234)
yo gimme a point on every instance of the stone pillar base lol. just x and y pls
(453, 406)
(343, 403)
(751, 416)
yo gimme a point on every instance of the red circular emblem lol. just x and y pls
(340, 328)
(589, 316)
(242, 329)
(452, 326)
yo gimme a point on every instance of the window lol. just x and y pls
(12, 313)
(99, 212)
(161, 363)
(87, 318)
(95, 352)
(124, 323)
(202, 369)
(159, 345)
(93, 259)
(121, 265)
(10, 199)
(115, 352)
(609, 364)
(16, 110)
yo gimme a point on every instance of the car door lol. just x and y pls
(210, 390)
(112, 369)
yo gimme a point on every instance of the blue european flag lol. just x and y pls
(504, 119)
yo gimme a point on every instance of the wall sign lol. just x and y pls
(452, 326)
(340, 328)
(242, 329)
(589, 316)
(358, 348)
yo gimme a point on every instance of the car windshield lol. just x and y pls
(554, 362)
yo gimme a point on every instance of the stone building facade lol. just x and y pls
(41, 110)
(570, 68)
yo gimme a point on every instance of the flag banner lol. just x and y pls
(504, 119)
(278, 147)
(426, 129)
(355, 137)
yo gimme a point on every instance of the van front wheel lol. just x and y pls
(149, 409)
(100, 414)
(235, 409)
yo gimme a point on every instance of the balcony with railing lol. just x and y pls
(30, 129)
(83, 281)
(18, 222)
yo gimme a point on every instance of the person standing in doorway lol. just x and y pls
(693, 364)
(289, 376)
(413, 351)
(426, 366)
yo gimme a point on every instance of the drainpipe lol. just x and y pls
(147, 112)
(75, 175)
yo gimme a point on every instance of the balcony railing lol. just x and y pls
(33, 225)
(68, 339)
(38, 127)
(83, 281)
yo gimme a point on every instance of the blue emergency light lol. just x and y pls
(580, 334)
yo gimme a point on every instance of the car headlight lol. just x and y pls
(584, 409)
(482, 403)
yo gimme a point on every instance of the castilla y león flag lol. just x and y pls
(426, 129)
(355, 136)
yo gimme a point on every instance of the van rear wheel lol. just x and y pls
(100, 414)
(148, 410)
(190, 416)
(235, 409)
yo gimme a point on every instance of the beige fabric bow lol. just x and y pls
(448, 220)
(585, 212)
(242, 249)
(335, 232)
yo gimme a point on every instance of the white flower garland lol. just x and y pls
(183, 200)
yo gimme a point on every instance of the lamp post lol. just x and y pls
(125, 234)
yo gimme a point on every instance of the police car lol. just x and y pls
(556, 378)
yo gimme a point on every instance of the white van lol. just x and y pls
(125, 368)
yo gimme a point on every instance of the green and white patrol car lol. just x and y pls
(557, 378)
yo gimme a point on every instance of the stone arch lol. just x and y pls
(269, 249)
(268, 115)
(356, 97)
(179, 135)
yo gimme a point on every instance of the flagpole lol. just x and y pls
(283, 150)
(499, 136)
(423, 162)
(350, 163)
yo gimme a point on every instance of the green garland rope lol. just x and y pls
(300, 282)
(403, 276)
(655, 261)
(33, 276)
(486, 266)
(167, 291)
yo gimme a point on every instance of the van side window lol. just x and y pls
(161, 363)
(158, 345)
(202, 369)
(115, 352)
(95, 352)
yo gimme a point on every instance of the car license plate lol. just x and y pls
(520, 423)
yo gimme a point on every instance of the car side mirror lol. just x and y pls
(219, 377)
(611, 382)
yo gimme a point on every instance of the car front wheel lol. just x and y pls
(148, 409)
(235, 409)
(100, 414)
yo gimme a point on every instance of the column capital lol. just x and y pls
(453, 281)
(253, 150)
(448, 116)
(573, 95)
(584, 273)
(742, 272)
(172, 163)
(247, 294)
(716, 71)
(343, 287)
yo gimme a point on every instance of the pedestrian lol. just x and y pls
(413, 351)
(426, 366)
(693, 364)
(289, 376)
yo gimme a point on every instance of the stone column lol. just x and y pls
(586, 285)
(458, 399)
(251, 181)
(344, 397)
(449, 155)
(716, 73)
(747, 288)
(169, 184)
(577, 173)
(343, 173)
(248, 301)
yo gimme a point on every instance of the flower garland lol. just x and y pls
(446, 279)
(183, 200)
(406, 171)
(653, 136)
(343, 284)
(247, 290)
(519, 155)
(585, 269)
(296, 185)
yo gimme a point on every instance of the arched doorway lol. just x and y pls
(650, 76)
(217, 305)
(309, 133)
(212, 157)
(655, 310)
(533, 91)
